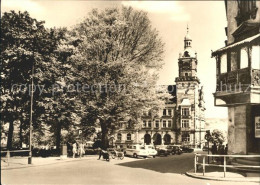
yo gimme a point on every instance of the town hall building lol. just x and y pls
(181, 121)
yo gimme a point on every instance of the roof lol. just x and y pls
(245, 41)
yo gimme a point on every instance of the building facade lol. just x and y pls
(238, 76)
(181, 121)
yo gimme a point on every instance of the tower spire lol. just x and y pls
(187, 28)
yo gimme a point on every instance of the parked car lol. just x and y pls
(162, 150)
(174, 149)
(136, 151)
(186, 149)
(151, 150)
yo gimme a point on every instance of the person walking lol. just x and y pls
(100, 152)
(74, 149)
(214, 150)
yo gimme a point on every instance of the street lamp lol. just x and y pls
(31, 111)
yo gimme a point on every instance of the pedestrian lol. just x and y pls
(100, 152)
(226, 149)
(81, 150)
(214, 150)
(74, 149)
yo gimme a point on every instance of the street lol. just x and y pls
(161, 170)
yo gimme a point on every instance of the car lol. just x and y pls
(162, 150)
(174, 149)
(186, 149)
(136, 151)
(151, 150)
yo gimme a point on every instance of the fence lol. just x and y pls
(10, 151)
(225, 166)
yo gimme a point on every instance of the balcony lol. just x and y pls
(238, 87)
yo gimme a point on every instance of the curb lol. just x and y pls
(245, 179)
(35, 165)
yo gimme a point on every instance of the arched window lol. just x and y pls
(128, 137)
(119, 136)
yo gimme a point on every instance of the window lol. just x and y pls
(120, 125)
(149, 124)
(164, 112)
(243, 58)
(223, 63)
(128, 137)
(169, 112)
(185, 111)
(185, 123)
(164, 123)
(255, 57)
(149, 113)
(119, 137)
(246, 10)
(144, 123)
(185, 137)
(157, 123)
(169, 123)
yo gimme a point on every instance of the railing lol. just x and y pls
(9, 151)
(225, 166)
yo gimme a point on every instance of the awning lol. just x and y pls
(248, 40)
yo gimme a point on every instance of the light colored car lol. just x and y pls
(136, 151)
(151, 150)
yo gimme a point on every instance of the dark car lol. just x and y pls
(174, 149)
(187, 149)
(162, 150)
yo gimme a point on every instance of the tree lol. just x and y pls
(23, 45)
(118, 54)
(215, 137)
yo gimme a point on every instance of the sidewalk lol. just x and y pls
(217, 173)
(22, 162)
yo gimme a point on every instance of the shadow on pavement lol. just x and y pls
(172, 164)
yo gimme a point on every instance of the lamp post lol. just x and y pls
(31, 112)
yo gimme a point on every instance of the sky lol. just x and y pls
(206, 21)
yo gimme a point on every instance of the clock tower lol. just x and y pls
(190, 103)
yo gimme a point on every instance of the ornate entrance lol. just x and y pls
(147, 139)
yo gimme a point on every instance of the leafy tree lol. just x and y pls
(118, 54)
(216, 136)
(22, 46)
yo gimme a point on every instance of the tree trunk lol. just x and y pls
(21, 134)
(10, 135)
(58, 137)
(104, 136)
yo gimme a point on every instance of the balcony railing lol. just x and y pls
(234, 81)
